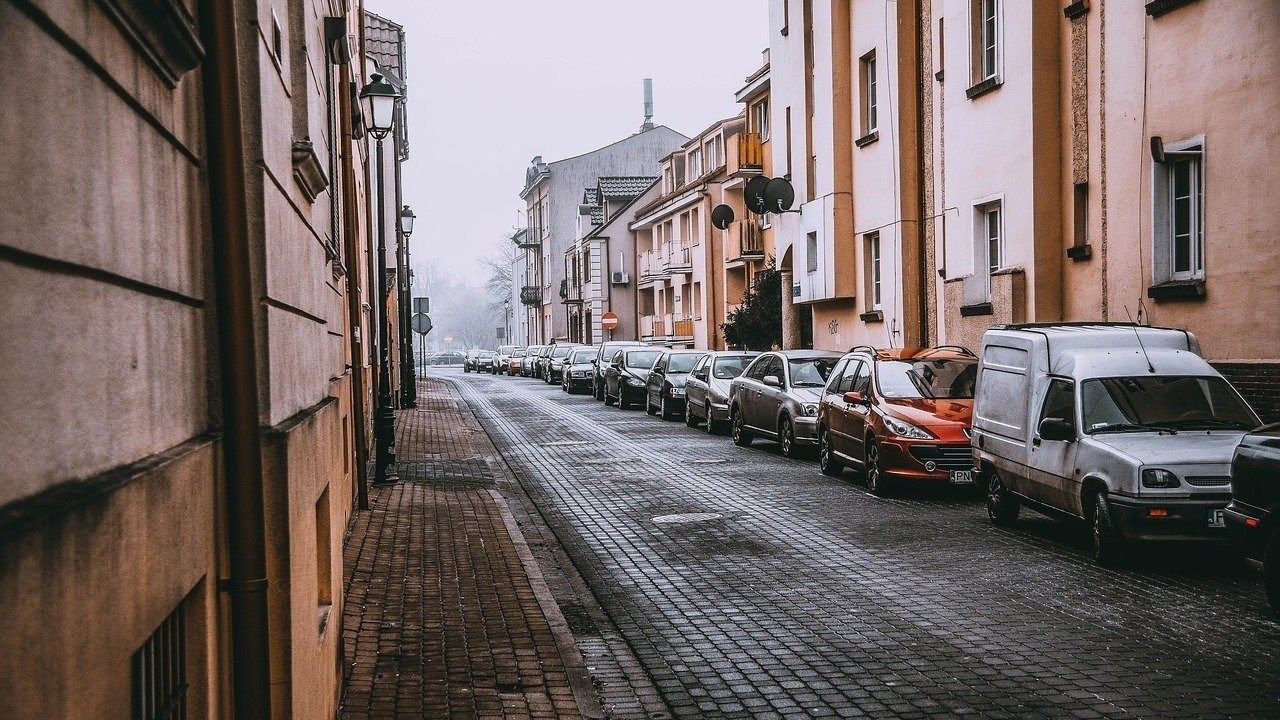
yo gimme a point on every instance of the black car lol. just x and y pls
(603, 357)
(1255, 498)
(553, 366)
(627, 373)
(578, 369)
(664, 391)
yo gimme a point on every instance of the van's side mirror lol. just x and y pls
(773, 381)
(1057, 429)
(853, 397)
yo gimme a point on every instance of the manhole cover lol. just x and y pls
(686, 518)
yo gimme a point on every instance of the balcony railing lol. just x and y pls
(646, 326)
(572, 293)
(680, 260)
(531, 295)
(528, 241)
(745, 154)
(751, 240)
(682, 328)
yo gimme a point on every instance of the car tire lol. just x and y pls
(1108, 543)
(664, 411)
(607, 400)
(689, 419)
(787, 438)
(1002, 504)
(827, 461)
(1271, 572)
(742, 437)
(877, 483)
(648, 406)
(622, 399)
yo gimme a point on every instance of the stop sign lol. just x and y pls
(609, 320)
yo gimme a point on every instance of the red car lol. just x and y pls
(900, 415)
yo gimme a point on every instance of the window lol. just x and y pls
(874, 297)
(1059, 402)
(695, 163)
(848, 376)
(1080, 215)
(667, 180)
(695, 226)
(993, 237)
(713, 152)
(862, 384)
(324, 563)
(758, 369)
(760, 119)
(787, 139)
(945, 378)
(1185, 203)
(811, 252)
(277, 39)
(869, 90)
(786, 17)
(159, 670)
(986, 39)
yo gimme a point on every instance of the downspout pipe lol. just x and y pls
(237, 356)
(351, 237)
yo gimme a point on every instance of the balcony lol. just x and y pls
(745, 155)
(655, 326)
(531, 295)
(650, 266)
(680, 260)
(527, 240)
(744, 241)
(570, 292)
(682, 328)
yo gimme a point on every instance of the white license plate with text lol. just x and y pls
(961, 477)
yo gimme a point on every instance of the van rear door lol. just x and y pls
(1002, 403)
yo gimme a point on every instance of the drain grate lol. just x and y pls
(681, 518)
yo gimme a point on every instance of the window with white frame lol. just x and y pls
(993, 236)
(695, 163)
(760, 119)
(869, 92)
(811, 252)
(986, 33)
(874, 278)
(713, 152)
(1179, 212)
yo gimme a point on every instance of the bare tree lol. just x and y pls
(500, 262)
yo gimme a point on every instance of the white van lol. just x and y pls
(1124, 426)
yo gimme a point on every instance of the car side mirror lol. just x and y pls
(1057, 429)
(853, 397)
(773, 381)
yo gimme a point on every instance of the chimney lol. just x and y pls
(648, 105)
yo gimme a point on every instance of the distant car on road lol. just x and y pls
(444, 357)
(1254, 511)
(528, 367)
(504, 358)
(777, 397)
(603, 357)
(554, 366)
(515, 363)
(470, 362)
(627, 373)
(664, 390)
(486, 361)
(540, 361)
(899, 415)
(578, 368)
(706, 390)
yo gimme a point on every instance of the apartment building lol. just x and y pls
(185, 422)
(748, 244)
(552, 194)
(679, 255)
(599, 268)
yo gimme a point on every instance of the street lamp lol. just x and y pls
(378, 99)
(408, 369)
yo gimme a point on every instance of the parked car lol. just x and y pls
(707, 388)
(578, 368)
(1255, 504)
(504, 358)
(627, 373)
(664, 390)
(1123, 426)
(515, 363)
(444, 357)
(777, 397)
(899, 415)
(528, 368)
(469, 363)
(486, 361)
(540, 361)
(553, 367)
(603, 357)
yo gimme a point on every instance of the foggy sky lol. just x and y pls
(493, 83)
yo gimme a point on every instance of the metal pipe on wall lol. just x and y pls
(351, 239)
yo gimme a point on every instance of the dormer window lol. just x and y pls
(695, 163)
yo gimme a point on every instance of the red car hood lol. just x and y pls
(948, 419)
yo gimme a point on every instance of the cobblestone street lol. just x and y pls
(805, 596)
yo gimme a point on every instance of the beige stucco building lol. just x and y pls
(186, 380)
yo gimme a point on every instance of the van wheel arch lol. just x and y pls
(1089, 489)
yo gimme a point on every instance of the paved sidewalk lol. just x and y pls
(447, 614)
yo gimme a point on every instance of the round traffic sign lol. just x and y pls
(421, 323)
(609, 320)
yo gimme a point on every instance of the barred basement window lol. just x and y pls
(160, 672)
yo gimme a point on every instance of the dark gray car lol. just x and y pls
(603, 357)
(706, 391)
(777, 397)
(664, 392)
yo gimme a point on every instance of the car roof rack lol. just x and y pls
(958, 348)
(862, 348)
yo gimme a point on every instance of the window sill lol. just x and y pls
(984, 87)
(874, 316)
(867, 139)
(976, 310)
(1156, 8)
(1174, 290)
(1080, 253)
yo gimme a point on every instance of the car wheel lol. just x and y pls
(1002, 504)
(877, 483)
(622, 398)
(787, 438)
(1108, 544)
(1271, 572)
(607, 400)
(664, 411)
(690, 420)
(648, 406)
(827, 461)
(741, 435)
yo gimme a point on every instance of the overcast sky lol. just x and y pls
(492, 84)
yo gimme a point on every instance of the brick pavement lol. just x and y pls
(447, 614)
(809, 597)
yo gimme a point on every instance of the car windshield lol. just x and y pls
(951, 379)
(582, 356)
(1163, 402)
(561, 351)
(642, 358)
(682, 362)
(518, 353)
(728, 368)
(810, 372)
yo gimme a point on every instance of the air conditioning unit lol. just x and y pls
(619, 278)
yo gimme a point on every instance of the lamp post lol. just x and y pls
(408, 369)
(379, 101)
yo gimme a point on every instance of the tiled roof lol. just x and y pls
(625, 187)
(384, 41)
(591, 197)
(597, 216)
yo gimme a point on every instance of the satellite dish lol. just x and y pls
(722, 217)
(753, 193)
(779, 195)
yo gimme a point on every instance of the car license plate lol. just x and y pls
(961, 477)
(1216, 520)
(677, 392)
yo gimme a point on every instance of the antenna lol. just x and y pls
(1150, 368)
(648, 105)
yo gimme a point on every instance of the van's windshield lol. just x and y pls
(1162, 402)
(949, 379)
